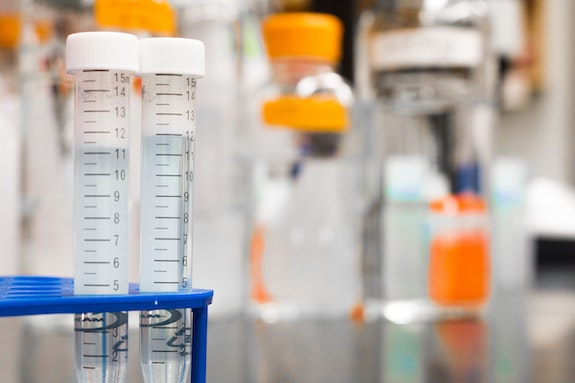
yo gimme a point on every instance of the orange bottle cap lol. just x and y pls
(461, 203)
(9, 30)
(311, 35)
(44, 30)
(155, 16)
(319, 114)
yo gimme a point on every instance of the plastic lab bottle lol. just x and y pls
(303, 173)
(46, 120)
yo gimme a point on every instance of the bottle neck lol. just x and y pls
(287, 72)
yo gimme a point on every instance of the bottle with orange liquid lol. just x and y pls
(422, 74)
(303, 171)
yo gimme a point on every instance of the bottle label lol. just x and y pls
(439, 47)
(412, 179)
(404, 178)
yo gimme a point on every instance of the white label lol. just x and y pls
(411, 179)
(404, 178)
(441, 47)
(509, 181)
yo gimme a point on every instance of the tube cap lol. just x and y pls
(303, 34)
(172, 55)
(101, 50)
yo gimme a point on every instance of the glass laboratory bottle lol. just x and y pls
(423, 77)
(218, 225)
(10, 140)
(511, 245)
(511, 240)
(303, 176)
(46, 120)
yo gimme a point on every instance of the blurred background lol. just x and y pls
(525, 331)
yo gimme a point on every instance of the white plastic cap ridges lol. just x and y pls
(173, 55)
(102, 50)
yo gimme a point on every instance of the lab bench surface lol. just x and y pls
(520, 340)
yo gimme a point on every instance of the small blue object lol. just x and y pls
(33, 295)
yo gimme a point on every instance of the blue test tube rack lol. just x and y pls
(35, 295)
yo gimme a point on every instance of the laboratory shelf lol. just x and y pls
(34, 295)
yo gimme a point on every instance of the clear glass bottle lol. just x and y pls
(47, 139)
(218, 225)
(512, 249)
(423, 76)
(10, 140)
(47, 132)
(303, 172)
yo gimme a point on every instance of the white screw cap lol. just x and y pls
(101, 50)
(172, 55)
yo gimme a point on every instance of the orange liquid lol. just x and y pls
(459, 268)
(259, 291)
